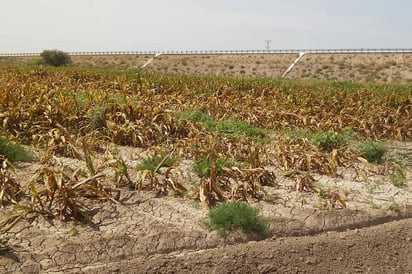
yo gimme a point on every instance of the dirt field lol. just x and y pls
(380, 68)
(329, 211)
(379, 249)
(146, 234)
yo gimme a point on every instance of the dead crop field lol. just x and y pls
(102, 167)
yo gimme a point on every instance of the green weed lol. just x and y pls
(394, 206)
(397, 175)
(328, 140)
(14, 152)
(196, 116)
(73, 231)
(230, 127)
(153, 163)
(4, 244)
(205, 165)
(96, 116)
(372, 151)
(236, 128)
(237, 215)
(325, 140)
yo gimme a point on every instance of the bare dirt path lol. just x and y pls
(385, 248)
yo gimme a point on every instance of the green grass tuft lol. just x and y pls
(4, 244)
(196, 116)
(205, 165)
(325, 140)
(372, 151)
(394, 206)
(14, 152)
(230, 127)
(237, 215)
(398, 175)
(328, 140)
(157, 161)
(96, 116)
(234, 128)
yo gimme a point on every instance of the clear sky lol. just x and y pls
(99, 25)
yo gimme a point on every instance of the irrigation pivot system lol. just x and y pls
(222, 52)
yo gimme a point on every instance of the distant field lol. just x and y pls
(368, 67)
(355, 67)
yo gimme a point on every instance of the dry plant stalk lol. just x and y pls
(235, 184)
(10, 189)
(59, 192)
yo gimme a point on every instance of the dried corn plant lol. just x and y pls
(62, 193)
(10, 189)
(60, 143)
(329, 199)
(57, 109)
(36, 101)
(161, 184)
(248, 183)
(306, 183)
(301, 154)
(155, 175)
(234, 184)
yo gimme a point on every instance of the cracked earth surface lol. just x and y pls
(147, 234)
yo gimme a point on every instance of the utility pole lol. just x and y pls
(268, 44)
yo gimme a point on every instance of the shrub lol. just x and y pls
(230, 127)
(153, 163)
(4, 244)
(204, 166)
(328, 140)
(237, 128)
(394, 206)
(237, 215)
(397, 175)
(372, 151)
(55, 57)
(14, 152)
(196, 116)
(96, 115)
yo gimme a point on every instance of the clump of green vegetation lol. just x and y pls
(230, 127)
(4, 244)
(205, 165)
(237, 215)
(235, 128)
(55, 58)
(96, 116)
(397, 176)
(196, 116)
(394, 206)
(81, 98)
(328, 140)
(14, 152)
(155, 162)
(73, 231)
(372, 151)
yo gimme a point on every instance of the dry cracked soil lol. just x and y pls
(144, 233)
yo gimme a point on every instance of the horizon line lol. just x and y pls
(189, 52)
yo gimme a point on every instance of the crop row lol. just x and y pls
(231, 128)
